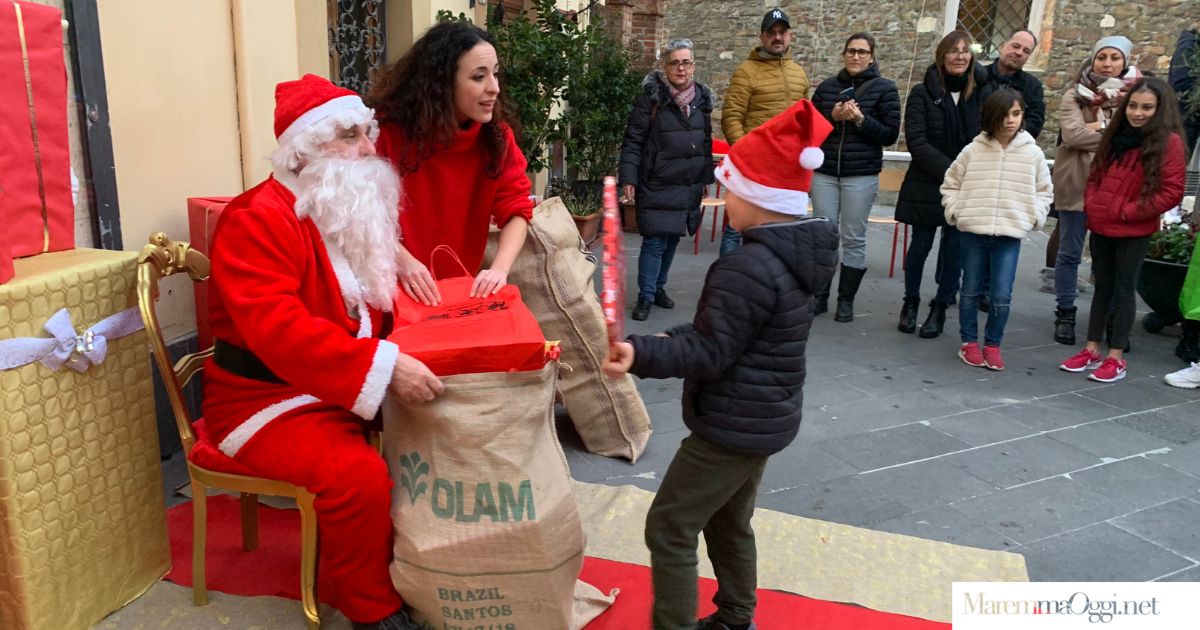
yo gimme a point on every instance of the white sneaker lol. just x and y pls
(1187, 378)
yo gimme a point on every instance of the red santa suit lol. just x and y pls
(310, 373)
(450, 199)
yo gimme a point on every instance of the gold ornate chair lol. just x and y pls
(207, 466)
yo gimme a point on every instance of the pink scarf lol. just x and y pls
(683, 98)
(1101, 91)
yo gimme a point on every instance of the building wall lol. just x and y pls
(908, 30)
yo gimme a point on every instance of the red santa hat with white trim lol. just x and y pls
(772, 166)
(304, 104)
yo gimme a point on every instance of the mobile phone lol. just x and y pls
(846, 94)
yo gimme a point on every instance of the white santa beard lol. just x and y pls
(354, 204)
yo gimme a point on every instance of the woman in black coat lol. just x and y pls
(941, 118)
(865, 111)
(666, 161)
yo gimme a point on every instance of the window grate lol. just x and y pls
(357, 44)
(990, 22)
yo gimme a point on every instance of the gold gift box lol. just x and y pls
(82, 516)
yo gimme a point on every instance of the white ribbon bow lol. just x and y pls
(77, 351)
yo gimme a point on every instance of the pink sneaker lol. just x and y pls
(970, 354)
(1084, 360)
(991, 357)
(1109, 371)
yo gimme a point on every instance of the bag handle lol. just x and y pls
(453, 256)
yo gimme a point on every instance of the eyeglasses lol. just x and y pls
(857, 52)
(959, 53)
(685, 63)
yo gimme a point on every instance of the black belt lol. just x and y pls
(243, 363)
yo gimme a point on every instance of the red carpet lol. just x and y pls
(274, 567)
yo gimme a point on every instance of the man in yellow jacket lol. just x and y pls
(765, 84)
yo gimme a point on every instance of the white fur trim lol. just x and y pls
(376, 383)
(248, 429)
(348, 283)
(812, 158)
(364, 321)
(781, 200)
(318, 113)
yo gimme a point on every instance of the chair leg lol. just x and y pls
(199, 542)
(904, 261)
(249, 521)
(696, 235)
(308, 557)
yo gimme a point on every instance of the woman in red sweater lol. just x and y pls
(1137, 175)
(444, 125)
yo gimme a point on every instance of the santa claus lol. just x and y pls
(303, 275)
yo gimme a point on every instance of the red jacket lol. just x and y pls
(450, 200)
(1113, 201)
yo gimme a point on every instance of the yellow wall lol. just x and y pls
(407, 20)
(169, 67)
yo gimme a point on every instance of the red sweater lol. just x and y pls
(450, 200)
(1114, 203)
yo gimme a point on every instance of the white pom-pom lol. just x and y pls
(812, 157)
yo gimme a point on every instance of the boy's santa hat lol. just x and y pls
(771, 167)
(300, 105)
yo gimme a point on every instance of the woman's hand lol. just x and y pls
(1095, 125)
(839, 112)
(628, 190)
(416, 281)
(853, 113)
(489, 282)
(619, 360)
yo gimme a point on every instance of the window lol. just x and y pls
(990, 22)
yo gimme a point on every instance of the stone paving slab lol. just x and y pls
(1041, 510)
(1160, 525)
(948, 525)
(1103, 553)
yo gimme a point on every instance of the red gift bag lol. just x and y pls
(203, 213)
(465, 335)
(39, 214)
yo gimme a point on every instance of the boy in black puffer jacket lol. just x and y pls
(743, 367)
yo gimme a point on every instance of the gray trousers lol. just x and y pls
(847, 202)
(708, 488)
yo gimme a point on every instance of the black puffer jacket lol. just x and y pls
(668, 157)
(932, 145)
(743, 359)
(852, 151)
(1031, 91)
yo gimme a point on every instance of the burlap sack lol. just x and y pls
(556, 280)
(487, 529)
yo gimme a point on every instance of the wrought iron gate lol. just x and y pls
(357, 42)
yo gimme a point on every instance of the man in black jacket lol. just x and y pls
(742, 361)
(1183, 82)
(1008, 71)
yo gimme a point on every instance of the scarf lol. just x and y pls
(683, 97)
(1101, 91)
(767, 56)
(955, 83)
(1124, 141)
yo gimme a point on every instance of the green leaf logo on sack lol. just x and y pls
(414, 469)
(451, 500)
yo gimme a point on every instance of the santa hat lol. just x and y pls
(771, 167)
(301, 104)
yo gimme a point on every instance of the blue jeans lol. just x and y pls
(731, 239)
(847, 202)
(653, 264)
(1072, 227)
(986, 259)
(949, 265)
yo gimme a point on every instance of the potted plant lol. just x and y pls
(584, 208)
(1164, 269)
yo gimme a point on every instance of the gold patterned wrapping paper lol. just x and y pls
(82, 515)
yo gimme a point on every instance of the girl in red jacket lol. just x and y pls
(444, 125)
(1137, 175)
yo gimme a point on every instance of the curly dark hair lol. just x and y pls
(1156, 133)
(417, 95)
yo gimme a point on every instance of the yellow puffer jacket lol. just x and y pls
(759, 89)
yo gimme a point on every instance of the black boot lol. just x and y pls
(908, 315)
(821, 303)
(936, 322)
(1188, 348)
(1064, 325)
(642, 310)
(662, 301)
(848, 282)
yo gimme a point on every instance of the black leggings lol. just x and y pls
(1115, 264)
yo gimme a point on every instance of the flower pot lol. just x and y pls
(589, 226)
(1159, 284)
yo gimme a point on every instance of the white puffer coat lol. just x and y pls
(996, 191)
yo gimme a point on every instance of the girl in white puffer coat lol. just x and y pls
(997, 190)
